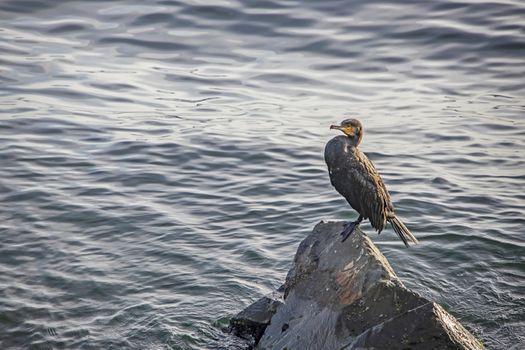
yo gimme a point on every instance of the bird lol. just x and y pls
(355, 177)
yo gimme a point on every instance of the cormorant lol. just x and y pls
(354, 176)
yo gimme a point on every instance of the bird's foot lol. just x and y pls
(349, 229)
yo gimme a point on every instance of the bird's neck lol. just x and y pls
(354, 141)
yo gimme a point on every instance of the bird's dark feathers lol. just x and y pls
(354, 176)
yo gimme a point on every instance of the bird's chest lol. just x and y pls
(340, 171)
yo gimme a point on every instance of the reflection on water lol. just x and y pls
(161, 161)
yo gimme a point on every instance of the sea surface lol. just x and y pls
(160, 161)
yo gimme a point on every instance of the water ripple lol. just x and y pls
(161, 161)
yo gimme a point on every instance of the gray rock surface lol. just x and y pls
(251, 322)
(346, 296)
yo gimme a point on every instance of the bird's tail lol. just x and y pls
(402, 231)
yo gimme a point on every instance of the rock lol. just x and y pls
(346, 296)
(251, 322)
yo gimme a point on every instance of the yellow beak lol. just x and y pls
(349, 130)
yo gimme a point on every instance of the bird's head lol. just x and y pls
(351, 128)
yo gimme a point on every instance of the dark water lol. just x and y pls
(161, 160)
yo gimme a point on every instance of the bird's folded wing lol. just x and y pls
(370, 192)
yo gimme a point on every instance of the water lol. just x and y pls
(161, 160)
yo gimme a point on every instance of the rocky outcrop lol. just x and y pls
(346, 296)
